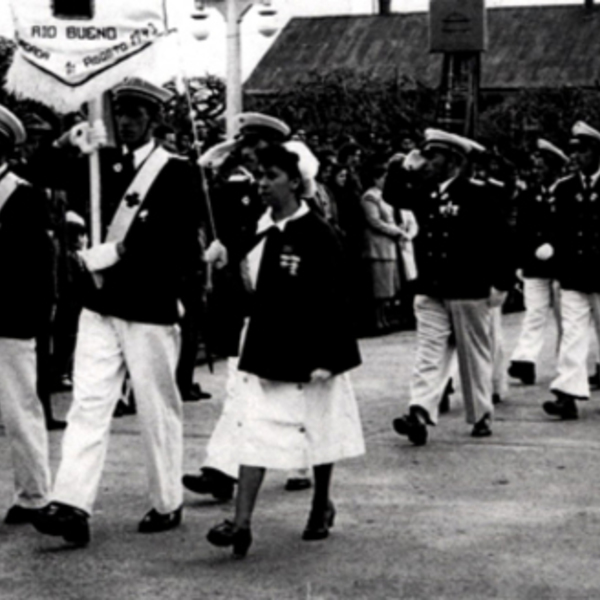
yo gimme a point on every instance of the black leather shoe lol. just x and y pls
(64, 521)
(155, 522)
(319, 524)
(227, 534)
(297, 484)
(445, 401)
(413, 425)
(482, 428)
(19, 515)
(195, 393)
(210, 481)
(564, 407)
(56, 425)
(594, 380)
(523, 370)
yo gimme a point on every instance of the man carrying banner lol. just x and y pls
(150, 222)
(26, 275)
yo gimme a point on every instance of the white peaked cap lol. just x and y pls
(546, 146)
(581, 129)
(215, 156)
(308, 165)
(475, 146)
(11, 126)
(437, 138)
(72, 217)
(251, 121)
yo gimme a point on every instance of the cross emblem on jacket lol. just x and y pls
(132, 199)
(449, 209)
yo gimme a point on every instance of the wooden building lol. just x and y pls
(530, 47)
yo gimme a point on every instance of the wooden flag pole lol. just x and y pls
(95, 114)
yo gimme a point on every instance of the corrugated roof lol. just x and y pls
(529, 47)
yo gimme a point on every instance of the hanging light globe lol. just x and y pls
(200, 29)
(268, 24)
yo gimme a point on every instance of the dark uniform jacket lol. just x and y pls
(162, 246)
(463, 248)
(535, 224)
(300, 320)
(26, 265)
(577, 241)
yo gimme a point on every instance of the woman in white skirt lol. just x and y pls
(296, 404)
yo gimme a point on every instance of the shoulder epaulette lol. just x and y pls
(563, 180)
(496, 182)
(477, 182)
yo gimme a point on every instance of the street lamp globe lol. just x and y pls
(268, 25)
(200, 29)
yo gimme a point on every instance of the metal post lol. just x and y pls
(234, 65)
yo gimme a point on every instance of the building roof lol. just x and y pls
(529, 47)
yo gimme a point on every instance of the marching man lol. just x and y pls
(535, 227)
(463, 272)
(26, 274)
(577, 250)
(150, 240)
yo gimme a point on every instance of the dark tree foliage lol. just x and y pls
(207, 98)
(517, 120)
(343, 102)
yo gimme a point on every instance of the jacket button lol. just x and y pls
(302, 430)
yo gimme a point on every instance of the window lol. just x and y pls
(73, 9)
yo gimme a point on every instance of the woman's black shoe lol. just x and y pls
(227, 534)
(482, 427)
(319, 524)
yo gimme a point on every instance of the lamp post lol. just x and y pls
(233, 11)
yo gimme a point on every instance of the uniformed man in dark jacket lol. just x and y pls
(576, 249)
(464, 270)
(26, 275)
(535, 227)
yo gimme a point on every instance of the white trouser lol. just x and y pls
(221, 450)
(498, 370)
(24, 422)
(579, 312)
(469, 323)
(106, 348)
(539, 300)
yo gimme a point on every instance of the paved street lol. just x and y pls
(514, 516)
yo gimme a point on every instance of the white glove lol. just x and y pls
(216, 254)
(101, 256)
(88, 138)
(320, 375)
(544, 252)
(497, 298)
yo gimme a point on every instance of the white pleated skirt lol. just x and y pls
(294, 426)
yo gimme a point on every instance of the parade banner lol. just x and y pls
(71, 51)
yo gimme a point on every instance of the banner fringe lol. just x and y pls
(26, 81)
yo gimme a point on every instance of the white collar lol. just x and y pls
(266, 221)
(3, 168)
(593, 178)
(444, 186)
(142, 153)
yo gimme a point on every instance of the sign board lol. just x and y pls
(70, 51)
(457, 26)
